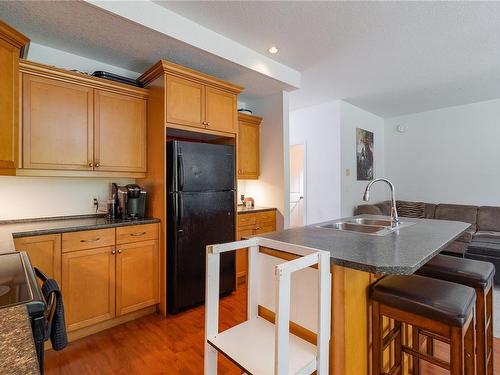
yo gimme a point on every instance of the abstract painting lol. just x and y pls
(364, 154)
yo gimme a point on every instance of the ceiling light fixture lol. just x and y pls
(273, 50)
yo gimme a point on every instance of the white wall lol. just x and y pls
(318, 127)
(352, 117)
(449, 155)
(28, 197)
(272, 187)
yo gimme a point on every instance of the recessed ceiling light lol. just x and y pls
(273, 50)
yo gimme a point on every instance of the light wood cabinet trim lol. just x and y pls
(167, 67)
(136, 233)
(28, 144)
(88, 239)
(70, 173)
(42, 257)
(43, 70)
(137, 126)
(15, 38)
(203, 130)
(67, 291)
(122, 251)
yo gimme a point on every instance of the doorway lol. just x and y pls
(297, 185)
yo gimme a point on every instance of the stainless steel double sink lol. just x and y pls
(374, 227)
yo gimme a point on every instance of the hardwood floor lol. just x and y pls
(149, 345)
(173, 345)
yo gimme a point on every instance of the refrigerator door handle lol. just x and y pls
(181, 172)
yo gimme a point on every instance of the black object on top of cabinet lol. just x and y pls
(200, 212)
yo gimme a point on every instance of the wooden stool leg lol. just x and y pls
(415, 340)
(470, 340)
(489, 332)
(377, 339)
(457, 351)
(481, 340)
(430, 346)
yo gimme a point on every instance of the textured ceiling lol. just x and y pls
(389, 58)
(85, 30)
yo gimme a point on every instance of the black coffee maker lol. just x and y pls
(131, 202)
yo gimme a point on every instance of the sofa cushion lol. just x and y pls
(369, 209)
(456, 248)
(467, 236)
(487, 234)
(488, 218)
(457, 212)
(484, 248)
(411, 209)
(430, 210)
(385, 207)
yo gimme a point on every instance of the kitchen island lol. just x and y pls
(357, 261)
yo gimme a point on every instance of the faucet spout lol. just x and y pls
(395, 222)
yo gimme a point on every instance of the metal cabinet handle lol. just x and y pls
(138, 234)
(92, 240)
(208, 124)
(97, 165)
(239, 171)
(91, 164)
(113, 252)
(119, 251)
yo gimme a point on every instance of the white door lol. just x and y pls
(297, 177)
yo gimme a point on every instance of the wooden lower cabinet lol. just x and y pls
(251, 224)
(88, 286)
(44, 253)
(137, 276)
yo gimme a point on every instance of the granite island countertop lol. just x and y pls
(10, 229)
(17, 348)
(401, 252)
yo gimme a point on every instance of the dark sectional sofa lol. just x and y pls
(481, 241)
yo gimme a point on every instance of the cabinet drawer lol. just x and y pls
(266, 217)
(136, 233)
(89, 239)
(265, 228)
(246, 219)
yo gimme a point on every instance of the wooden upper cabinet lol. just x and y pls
(248, 146)
(57, 124)
(185, 102)
(44, 253)
(194, 101)
(119, 132)
(221, 111)
(11, 45)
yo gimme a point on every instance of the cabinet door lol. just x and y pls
(120, 132)
(242, 256)
(248, 150)
(9, 101)
(221, 113)
(88, 286)
(44, 253)
(185, 102)
(57, 124)
(137, 276)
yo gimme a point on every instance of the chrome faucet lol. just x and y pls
(394, 212)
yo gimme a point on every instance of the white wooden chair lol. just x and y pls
(257, 346)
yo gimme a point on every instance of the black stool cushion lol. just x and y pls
(473, 273)
(439, 300)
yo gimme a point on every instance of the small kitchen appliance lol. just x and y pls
(131, 202)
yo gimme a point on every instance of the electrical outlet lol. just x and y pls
(348, 172)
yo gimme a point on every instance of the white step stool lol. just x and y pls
(257, 346)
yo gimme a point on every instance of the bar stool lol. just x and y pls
(444, 309)
(478, 275)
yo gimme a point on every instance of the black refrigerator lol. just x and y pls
(200, 211)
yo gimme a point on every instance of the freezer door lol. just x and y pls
(203, 218)
(202, 167)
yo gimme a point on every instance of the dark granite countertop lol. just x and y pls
(401, 252)
(36, 227)
(17, 348)
(244, 210)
